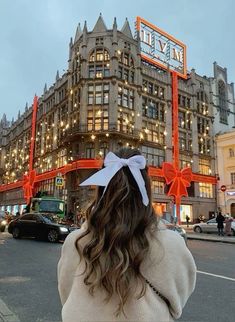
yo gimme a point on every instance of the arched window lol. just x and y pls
(222, 102)
(99, 63)
(126, 67)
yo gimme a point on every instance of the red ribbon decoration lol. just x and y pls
(179, 179)
(28, 183)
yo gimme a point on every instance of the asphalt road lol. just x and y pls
(28, 282)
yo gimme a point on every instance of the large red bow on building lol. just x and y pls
(28, 183)
(179, 179)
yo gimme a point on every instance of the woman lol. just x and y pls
(228, 225)
(124, 265)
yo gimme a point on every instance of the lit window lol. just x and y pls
(205, 190)
(99, 64)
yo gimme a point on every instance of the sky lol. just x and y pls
(35, 35)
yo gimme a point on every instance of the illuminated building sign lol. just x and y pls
(161, 49)
(231, 193)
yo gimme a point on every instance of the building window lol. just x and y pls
(104, 149)
(98, 94)
(125, 97)
(232, 177)
(222, 103)
(204, 167)
(126, 67)
(185, 161)
(158, 187)
(153, 109)
(151, 132)
(231, 153)
(205, 190)
(125, 122)
(153, 156)
(90, 150)
(97, 120)
(184, 101)
(99, 64)
(153, 89)
(62, 158)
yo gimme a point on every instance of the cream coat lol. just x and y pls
(170, 268)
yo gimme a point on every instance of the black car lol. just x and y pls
(40, 226)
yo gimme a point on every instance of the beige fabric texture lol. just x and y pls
(169, 267)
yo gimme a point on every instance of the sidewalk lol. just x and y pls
(207, 237)
(6, 315)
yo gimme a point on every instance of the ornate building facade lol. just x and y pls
(225, 149)
(110, 98)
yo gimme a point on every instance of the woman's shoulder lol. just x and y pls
(73, 236)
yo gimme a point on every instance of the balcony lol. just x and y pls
(84, 130)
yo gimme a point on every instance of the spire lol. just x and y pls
(85, 28)
(84, 34)
(26, 107)
(12, 121)
(115, 23)
(126, 30)
(45, 88)
(57, 76)
(100, 25)
(4, 119)
(19, 114)
(115, 31)
(78, 33)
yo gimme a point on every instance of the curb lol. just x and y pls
(196, 237)
(6, 315)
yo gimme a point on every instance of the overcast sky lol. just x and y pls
(35, 34)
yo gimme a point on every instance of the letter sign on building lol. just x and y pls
(160, 49)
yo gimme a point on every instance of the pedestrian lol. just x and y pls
(70, 216)
(124, 264)
(220, 224)
(228, 225)
(187, 220)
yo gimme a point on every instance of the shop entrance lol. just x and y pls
(232, 207)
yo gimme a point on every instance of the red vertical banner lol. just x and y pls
(175, 120)
(175, 136)
(28, 180)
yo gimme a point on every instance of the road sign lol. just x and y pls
(223, 188)
(59, 181)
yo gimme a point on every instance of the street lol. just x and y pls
(28, 280)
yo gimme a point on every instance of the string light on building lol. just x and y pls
(93, 137)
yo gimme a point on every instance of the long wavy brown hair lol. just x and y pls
(116, 242)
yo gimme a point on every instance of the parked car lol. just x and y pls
(3, 221)
(40, 226)
(210, 227)
(176, 228)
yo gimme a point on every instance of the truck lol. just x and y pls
(48, 204)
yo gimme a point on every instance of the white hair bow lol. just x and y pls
(112, 165)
